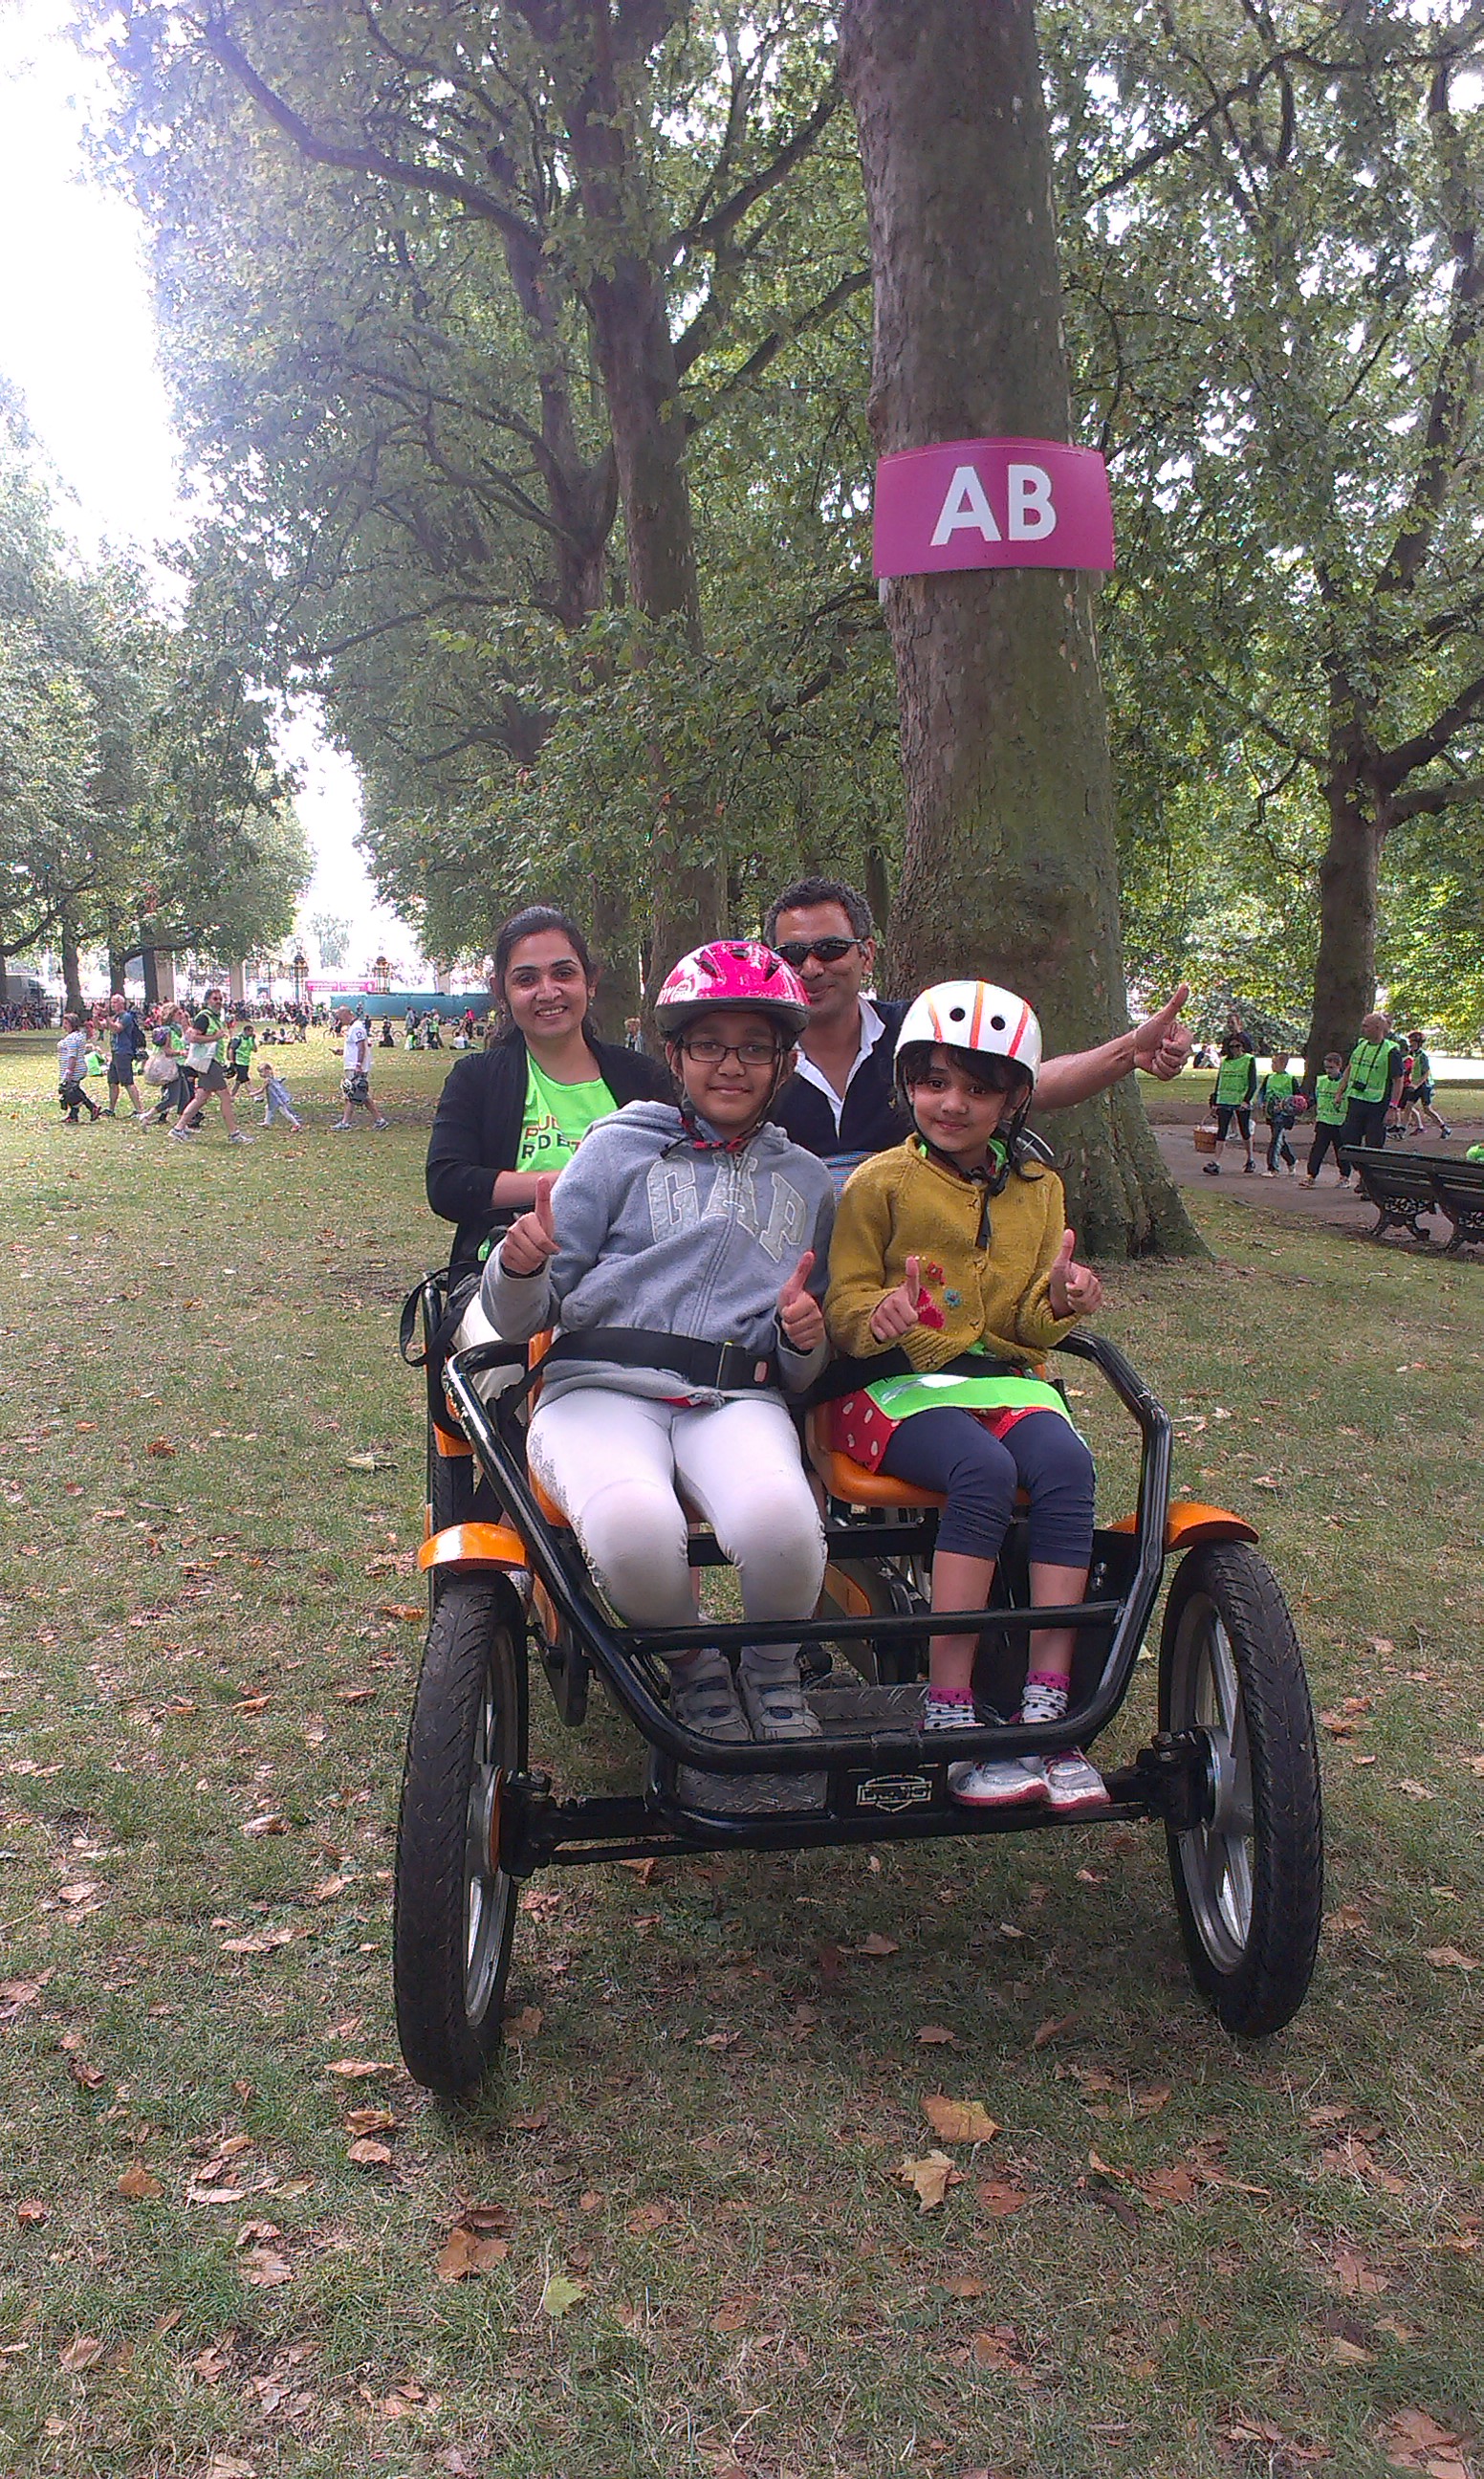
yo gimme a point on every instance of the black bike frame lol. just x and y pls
(617, 1653)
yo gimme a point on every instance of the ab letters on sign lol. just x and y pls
(992, 503)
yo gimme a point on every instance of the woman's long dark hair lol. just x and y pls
(528, 923)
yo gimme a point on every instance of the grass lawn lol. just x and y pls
(225, 2203)
(1185, 1100)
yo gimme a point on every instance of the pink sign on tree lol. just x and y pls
(992, 503)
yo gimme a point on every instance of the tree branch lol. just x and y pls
(712, 230)
(1394, 765)
(471, 196)
(1430, 799)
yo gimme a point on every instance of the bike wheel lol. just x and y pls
(454, 1906)
(1248, 1880)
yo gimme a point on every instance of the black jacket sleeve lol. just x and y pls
(476, 1131)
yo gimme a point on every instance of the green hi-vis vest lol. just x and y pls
(1278, 1089)
(1232, 1078)
(1370, 1070)
(1328, 1109)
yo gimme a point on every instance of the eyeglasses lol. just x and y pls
(830, 951)
(707, 1051)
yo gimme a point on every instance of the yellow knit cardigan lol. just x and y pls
(901, 1204)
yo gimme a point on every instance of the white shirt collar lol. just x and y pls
(872, 1028)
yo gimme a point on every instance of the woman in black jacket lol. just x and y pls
(521, 1107)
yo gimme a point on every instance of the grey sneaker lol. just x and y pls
(707, 1703)
(239, 1137)
(776, 1706)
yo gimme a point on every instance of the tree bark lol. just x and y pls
(71, 965)
(1345, 968)
(1008, 868)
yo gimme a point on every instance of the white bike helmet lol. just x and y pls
(975, 1016)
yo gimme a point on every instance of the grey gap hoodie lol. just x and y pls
(658, 1233)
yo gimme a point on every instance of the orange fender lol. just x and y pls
(1189, 1523)
(473, 1544)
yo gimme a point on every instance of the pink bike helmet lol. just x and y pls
(731, 973)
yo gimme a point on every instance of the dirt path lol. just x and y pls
(1287, 1193)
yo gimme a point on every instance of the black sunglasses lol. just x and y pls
(830, 951)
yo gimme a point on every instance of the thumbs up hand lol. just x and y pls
(799, 1312)
(1075, 1289)
(899, 1312)
(1162, 1042)
(532, 1238)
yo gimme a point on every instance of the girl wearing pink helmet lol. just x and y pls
(689, 1240)
(950, 1274)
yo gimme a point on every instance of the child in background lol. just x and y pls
(239, 1049)
(1277, 1098)
(73, 1067)
(946, 1395)
(1329, 1111)
(278, 1099)
(1417, 1098)
(162, 1074)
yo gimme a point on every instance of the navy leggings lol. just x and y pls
(979, 1475)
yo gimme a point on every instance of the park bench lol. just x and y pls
(1459, 1190)
(1400, 1185)
(1404, 1186)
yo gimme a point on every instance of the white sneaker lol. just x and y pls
(239, 1137)
(1073, 1786)
(1000, 1781)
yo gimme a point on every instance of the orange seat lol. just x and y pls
(851, 1482)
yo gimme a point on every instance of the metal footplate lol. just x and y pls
(847, 1708)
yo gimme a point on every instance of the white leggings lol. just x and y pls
(612, 1463)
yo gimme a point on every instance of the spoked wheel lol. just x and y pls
(1248, 1879)
(454, 1916)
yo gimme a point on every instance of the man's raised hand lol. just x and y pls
(1161, 1043)
(897, 1313)
(532, 1238)
(799, 1312)
(1075, 1289)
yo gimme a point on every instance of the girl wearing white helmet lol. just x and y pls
(950, 1275)
(688, 1241)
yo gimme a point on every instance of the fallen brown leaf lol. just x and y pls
(139, 2185)
(257, 1826)
(1446, 1957)
(30, 2215)
(159, 1446)
(928, 2179)
(356, 2069)
(525, 2024)
(877, 1944)
(466, 2252)
(937, 2035)
(959, 2121)
(368, 2153)
(84, 2350)
(1052, 2029)
(412, 1613)
(1000, 2197)
(1354, 2277)
(964, 2286)
(265, 2270)
(370, 2121)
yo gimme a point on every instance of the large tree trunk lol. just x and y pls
(71, 967)
(1345, 969)
(1008, 867)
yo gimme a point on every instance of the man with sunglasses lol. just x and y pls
(840, 1102)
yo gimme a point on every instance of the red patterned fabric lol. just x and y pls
(860, 1428)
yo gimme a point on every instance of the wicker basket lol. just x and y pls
(1204, 1137)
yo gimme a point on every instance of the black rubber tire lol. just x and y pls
(1249, 1898)
(454, 1919)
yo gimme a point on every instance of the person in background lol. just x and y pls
(1372, 1081)
(1231, 1098)
(840, 1102)
(278, 1099)
(72, 1092)
(1417, 1099)
(162, 1076)
(1328, 1119)
(355, 1077)
(242, 1042)
(126, 1044)
(1279, 1100)
(204, 1049)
